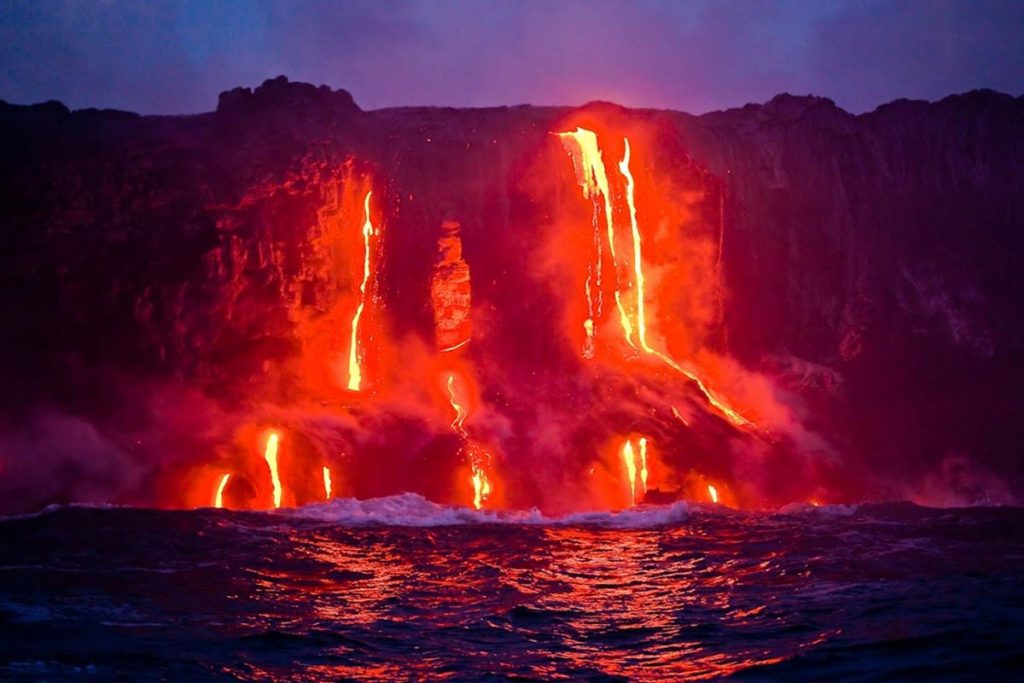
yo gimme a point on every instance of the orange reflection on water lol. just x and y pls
(522, 601)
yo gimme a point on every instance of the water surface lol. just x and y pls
(402, 589)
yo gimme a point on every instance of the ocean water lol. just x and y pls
(402, 589)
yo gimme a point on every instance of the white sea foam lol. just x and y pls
(413, 510)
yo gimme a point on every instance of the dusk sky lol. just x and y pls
(176, 56)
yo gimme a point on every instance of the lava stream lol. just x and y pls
(641, 324)
(355, 374)
(629, 459)
(327, 483)
(270, 455)
(218, 499)
(713, 492)
(643, 462)
(481, 486)
(638, 269)
(478, 457)
(460, 412)
(593, 178)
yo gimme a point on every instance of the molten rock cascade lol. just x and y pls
(291, 299)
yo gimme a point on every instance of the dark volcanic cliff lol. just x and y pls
(870, 266)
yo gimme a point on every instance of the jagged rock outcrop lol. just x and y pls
(451, 291)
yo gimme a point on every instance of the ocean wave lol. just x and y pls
(59, 507)
(413, 510)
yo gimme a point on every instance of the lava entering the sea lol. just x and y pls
(436, 361)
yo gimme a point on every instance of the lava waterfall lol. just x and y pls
(290, 300)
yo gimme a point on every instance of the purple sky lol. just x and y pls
(175, 56)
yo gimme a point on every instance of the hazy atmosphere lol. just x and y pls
(173, 57)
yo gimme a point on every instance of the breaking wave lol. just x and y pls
(413, 510)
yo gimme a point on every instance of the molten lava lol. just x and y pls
(629, 460)
(460, 412)
(583, 148)
(355, 373)
(634, 461)
(481, 485)
(218, 499)
(638, 268)
(357, 312)
(479, 458)
(592, 176)
(327, 483)
(713, 493)
(270, 455)
(643, 463)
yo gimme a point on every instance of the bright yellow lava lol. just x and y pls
(593, 178)
(218, 499)
(327, 483)
(460, 412)
(643, 463)
(355, 373)
(270, 455)
(481, 487)
(713, 492)
(638, 268)
(629, 459)
(478, 458)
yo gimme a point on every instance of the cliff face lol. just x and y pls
(885, 247)
(867, 265)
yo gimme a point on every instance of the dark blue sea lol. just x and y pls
(401, 589)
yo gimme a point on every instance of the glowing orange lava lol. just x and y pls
(355, 373)
(582, 146)
(592, 176)
(218, 499)
(460, 412)
(634, 460)
(481, 486)
(713, 493)
(643, 463)
(327, 483)
(638, 268)
(270, 455)
(479, 459)
(629, 459)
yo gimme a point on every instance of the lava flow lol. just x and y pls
(327, 483)
(634, 460)
(451, 296)
(355, 372)
(585, 152)
(270, 455)
(218, 500)
(591, 174)
(479, 459)
(389, 336)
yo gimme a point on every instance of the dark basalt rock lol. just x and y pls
(872, 262)
(281, 93)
